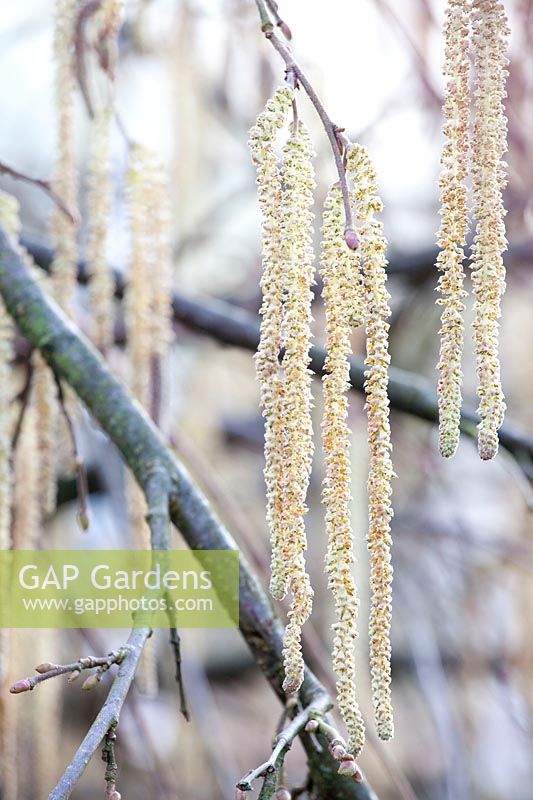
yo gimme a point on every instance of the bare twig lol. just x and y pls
(283, 742)
(23, 398)
(332, 131)
(175, 643)
(81, 474)
(107, 716)
(40, 184)
(48, 670)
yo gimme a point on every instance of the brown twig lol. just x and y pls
(333, 131)
(40, 184)
(81, 473)
(23, 397)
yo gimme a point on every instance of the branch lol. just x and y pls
(408, 392)
(76, 361)
(107, 718)
(40, 184)
(331, 129)
(283, 742)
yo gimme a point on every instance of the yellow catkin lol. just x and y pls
(297, 253)
(489, 143)
(101, 285)
(47, 413)
(262, 139)
(340, 274)
(373, 257)
(100, 188)
(454, 222)
(65, 180)
(26, 505)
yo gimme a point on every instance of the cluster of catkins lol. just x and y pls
(354, 294)
(481, 25)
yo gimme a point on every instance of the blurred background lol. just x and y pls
(191, 80)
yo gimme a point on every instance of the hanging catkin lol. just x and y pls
(340, 271)
(489, 144)
(454, 222)
(65, 181)
(101, 285)
(297, 254)
(373, 256)
(262, 139)
(100, 188)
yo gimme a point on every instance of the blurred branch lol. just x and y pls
(228, 324)
(40, 184)
(74, 359)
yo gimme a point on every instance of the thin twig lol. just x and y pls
(284, 740)
(331, 129)
(175, 643)
(40, 184)
(81, 474)
(23, 397)
(47, 670)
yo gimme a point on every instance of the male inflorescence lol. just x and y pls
(476, 150)
(354, 294)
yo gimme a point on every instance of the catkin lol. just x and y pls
(340, 271)
(101, 285)
(262, 139)
(65, 181)
(373, 257)
(454, 222)
(489, 144)
(297, 254)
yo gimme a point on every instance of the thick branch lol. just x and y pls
(228, 324)
(128, 426)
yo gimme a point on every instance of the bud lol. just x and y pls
(351, 238)
(338, 752)
(115, 795)
(240, 794)
(284, 28)
(311, 726)
(24, 685)
(90, 682)
(74, 675)
(46, 666)
(347, 768)
(282, 794)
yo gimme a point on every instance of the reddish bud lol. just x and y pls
(284, 28)
(115, 795)
(46, 666)
(282, 794)
(347, 768)
(312, 726)
(351, 238)
(24, 685)
(338, 752)
(240, 794)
